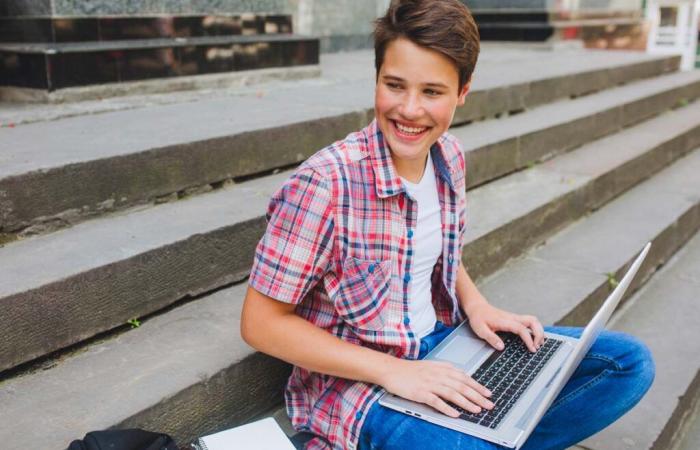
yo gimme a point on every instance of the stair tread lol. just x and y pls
(564, 111)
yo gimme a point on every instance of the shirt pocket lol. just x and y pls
(363, 293)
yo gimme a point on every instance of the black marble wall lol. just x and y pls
(124, 28)
(13, 8)
(56, 66)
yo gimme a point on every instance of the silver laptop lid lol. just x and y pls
(589, 335)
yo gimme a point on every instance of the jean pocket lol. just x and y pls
(363, 293)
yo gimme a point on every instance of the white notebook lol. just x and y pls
(264, 434)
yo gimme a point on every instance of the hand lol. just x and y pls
(435, 383)
(486, 320)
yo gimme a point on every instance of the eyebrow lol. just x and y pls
(395, 78)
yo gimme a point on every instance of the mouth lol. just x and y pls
(409, 132)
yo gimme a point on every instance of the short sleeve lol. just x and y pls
(295, 250)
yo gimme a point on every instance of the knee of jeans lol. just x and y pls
(638, 360)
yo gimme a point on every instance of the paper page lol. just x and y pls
(264, 434)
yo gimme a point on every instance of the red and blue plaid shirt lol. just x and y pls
(339, 246)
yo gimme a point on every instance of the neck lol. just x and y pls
(411, 169)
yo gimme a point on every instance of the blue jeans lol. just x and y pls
(612, 378)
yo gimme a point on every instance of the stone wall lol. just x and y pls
(341, 24)
(87, 8)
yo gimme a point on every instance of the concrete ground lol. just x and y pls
(691, 439)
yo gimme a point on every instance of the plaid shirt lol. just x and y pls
(339, 246)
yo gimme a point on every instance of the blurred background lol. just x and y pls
(140, 142)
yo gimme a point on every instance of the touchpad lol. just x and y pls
(461, 350)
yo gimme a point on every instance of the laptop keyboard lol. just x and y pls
(507, 374)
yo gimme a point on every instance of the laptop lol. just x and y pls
(522, 384)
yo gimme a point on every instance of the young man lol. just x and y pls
(359, 273)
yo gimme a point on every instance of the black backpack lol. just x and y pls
(133, 439)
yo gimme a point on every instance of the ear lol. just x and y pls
(463, 93)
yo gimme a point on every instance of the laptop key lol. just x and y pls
(507, 374)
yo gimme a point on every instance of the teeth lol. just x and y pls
(409, 130)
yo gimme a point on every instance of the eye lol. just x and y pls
(432, 92)
(393, 85)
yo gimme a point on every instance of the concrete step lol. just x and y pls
(62, 288)
(497, 147)
(187, 372)
(688, 437)
(142, 155)
(665, 315)
(522, 209)
(566, 279)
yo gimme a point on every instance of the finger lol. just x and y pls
(463, 377)
(468, 392)
(439, 404)
(537, 330)
(480, 388)
(456, 398)
(484, 332)
(521, 330)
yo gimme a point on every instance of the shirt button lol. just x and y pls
(406, 320)
(410, 234)
(371, 268)
(407, 278)
(358, 415)
(450, 259)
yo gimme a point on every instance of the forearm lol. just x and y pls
(297, 341)
(467, 292)
(273, 328)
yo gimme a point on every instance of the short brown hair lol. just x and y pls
(445, 26)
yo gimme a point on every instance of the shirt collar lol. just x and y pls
(388, 181)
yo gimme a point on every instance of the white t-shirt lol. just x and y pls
(427, 248)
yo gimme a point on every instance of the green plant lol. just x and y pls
(612, 281)
(135, 323)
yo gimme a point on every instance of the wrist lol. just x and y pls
(383, 371)
(468, 306)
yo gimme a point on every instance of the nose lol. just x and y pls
(411, 107)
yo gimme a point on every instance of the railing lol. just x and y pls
(674, 29)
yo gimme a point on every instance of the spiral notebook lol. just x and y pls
(264, 434)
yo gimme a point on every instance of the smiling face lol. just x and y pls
(415, 100)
